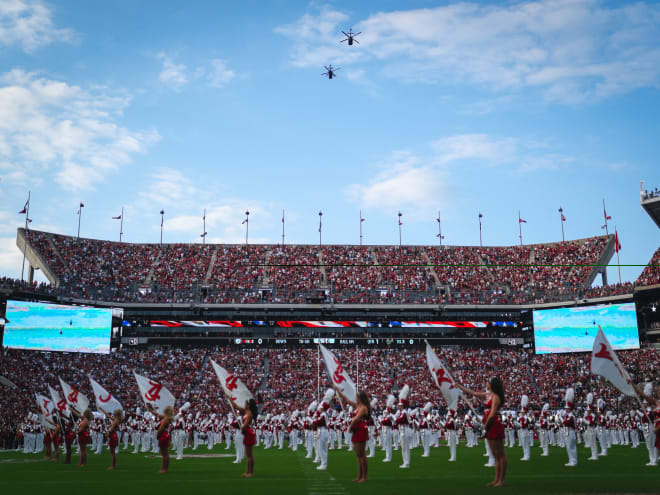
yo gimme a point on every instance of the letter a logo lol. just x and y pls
(230, 383)
(604, 353)
(153, 394)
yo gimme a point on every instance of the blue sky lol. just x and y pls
(457, 107)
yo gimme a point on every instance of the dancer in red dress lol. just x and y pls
(359, 427)
(69, 436)
(113, 438)
(493, 401)
(163, 436)
(83, 434)
(250, 411)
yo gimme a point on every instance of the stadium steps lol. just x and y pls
(150, 274)
(324, 279)
(375, 258)
(209, 271)
(59, 256)
(264, 379)
(266, 270)
(436, 279)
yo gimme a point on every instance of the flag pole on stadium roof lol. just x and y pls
(563, 219)
(361, 220)
(617, 248)
(400, 224)
(204, 233)
(282, 227)
(481, 244)
(82, 205)
(606, 217)
(439, 234)
(520, 222)
(162, 217)
(320, 227)
(121, 223)
(25, 211)
(247, 224)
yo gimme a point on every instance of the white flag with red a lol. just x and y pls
(46, 408)
(60, 403)
(154, 394)
(442, 378)
(105, 402)
(77, 401)
(605, 363)
(338, 374)
(234, 388)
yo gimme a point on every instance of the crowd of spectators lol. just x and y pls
(287, 379)
(244, 274)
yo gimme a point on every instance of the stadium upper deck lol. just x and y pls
(228, 273)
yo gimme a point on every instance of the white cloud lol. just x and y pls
(49, 125)
(172, 74)
(404, 182)
(219, 74)
(29, 23)
(216, 73)
(470, 146)
(10, 258)
(570, 50)
(183, 201)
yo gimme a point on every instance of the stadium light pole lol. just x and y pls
(481, 244)
(162, 218)
(562, 219)
(606, 217)
(439, 234)
(320, 227)
(121, 223)
(82, 205)
(204, 233)
(400, 224)
(25, 211)
(361, 220)
(247, 225)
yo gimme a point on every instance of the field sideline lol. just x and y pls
(286, 472)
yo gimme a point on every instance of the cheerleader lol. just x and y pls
(360, 429)
(163, 436)
(113, 439)
(653, 438)
(83, 434)
(250, 413)
(494, 399)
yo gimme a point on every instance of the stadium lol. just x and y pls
(171, 361)
(261, 311)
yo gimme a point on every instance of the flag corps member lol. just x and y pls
(160, 402)
(493, 400)
(241, 399)
(360, 430)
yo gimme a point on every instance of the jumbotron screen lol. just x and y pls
(52, 327)
(574, 329)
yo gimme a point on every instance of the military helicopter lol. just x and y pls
(330, 71)
(350, 37)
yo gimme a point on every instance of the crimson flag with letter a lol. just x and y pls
(154, 394)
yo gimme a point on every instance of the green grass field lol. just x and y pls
(286, 472)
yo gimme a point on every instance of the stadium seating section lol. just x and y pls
(180, 273)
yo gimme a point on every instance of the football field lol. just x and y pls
(286, 472)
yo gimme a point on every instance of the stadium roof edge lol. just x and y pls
(166, 244)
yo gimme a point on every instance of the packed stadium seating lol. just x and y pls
(105, 270)
(287, 379)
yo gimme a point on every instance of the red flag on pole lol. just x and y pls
(563, 218)
(520, 220)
